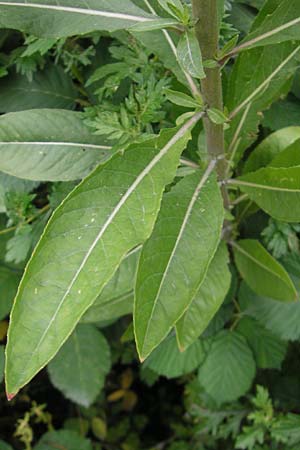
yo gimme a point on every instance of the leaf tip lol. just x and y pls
(10, 396)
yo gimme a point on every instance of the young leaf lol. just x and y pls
(175, 259)
(189, 55)
(217, 116)
(275, 190)
(116, 299)
(182, 99)
(268, 350)
(173, 7)
(49, 145)
(48, 18)
(262, 272)
(112, 211)
(79, 368)
(157, 24)
(50, 88)
(267, 150)
(229, 367)
(207, 300)
(168, 361)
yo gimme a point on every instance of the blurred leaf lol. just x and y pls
(229, 368)
(80, 367)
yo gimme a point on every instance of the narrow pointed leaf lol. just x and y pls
(275, 190)
(207, 300)
(51, 18)
(189, 55)
(250, 93)
(110, 212)
(49, 145)
(175, 259)
(262, 272)
(80, 367)
(116, 299)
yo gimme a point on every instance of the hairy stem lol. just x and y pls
(207, 31)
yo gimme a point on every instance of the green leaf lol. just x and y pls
(270, 147)
(278, 25)
(112, 211)
(116, 299)
(181, 99)
(262, 272)
(269, 351)
(175, 259)
(63, 439)
(217, 116)
(5, 446)
(50, 88)
(9, 184)
(48, 18)
(289, 157)
(168, 361)
(9, 280)
(287, 429)
(165, 4)
(156, 24)
(207, 300)
(282, 319)
(275, 190)
(229, 368)
(250, 92)
(2, 359)
(189, 55)
(282, 114)
(49, 145)
(79, 368)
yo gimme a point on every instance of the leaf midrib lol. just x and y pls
(89, 12)
(181, 231)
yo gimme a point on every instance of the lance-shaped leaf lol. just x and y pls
(262, 272)
(175, 259)
(80, 367)
(51, 18)
(277, 22)
(116, 299)
(249, 93)
(50, 88)
(207, 300)
(49, 145)
(189, 55)
(110, 212)
(270, 147)
(275, 190)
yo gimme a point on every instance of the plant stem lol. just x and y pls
(205, 13)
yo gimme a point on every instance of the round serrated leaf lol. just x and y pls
(229, 368)
(80, 367)
(167, 360)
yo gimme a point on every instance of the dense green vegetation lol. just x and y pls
(149, 225)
